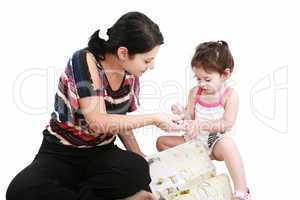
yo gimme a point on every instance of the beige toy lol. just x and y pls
(185, 172)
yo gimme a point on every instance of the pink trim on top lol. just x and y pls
(221, 101)
(225, 94)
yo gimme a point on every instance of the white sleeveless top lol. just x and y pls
(210, 111)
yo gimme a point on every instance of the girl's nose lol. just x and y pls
(201, 84)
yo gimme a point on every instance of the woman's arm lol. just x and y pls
(94, 111)
(129, 141)
(99, 121)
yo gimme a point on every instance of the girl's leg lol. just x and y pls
(166, 142)
(226, 150)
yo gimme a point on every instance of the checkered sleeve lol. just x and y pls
(82, 76)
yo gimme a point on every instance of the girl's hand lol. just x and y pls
(169, 122)
(177, 109)
(192, 129)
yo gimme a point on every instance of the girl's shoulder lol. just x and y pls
(230, 96)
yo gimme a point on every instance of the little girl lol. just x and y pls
(211, 112)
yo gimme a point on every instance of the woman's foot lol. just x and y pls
(142, 195)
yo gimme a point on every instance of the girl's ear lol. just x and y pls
(226, 74)
(122, 53)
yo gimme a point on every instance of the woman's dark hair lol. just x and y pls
(213, 56)
(133, 30)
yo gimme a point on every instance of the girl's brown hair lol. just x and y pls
(213, 56)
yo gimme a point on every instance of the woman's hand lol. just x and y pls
(169, 122)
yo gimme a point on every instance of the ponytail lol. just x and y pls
(97, 45)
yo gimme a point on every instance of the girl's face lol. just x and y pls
(210, 82)
(139, 63)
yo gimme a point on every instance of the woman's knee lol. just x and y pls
(140, 167)
(31, 184)
(17, 189)
(12, 191)
(134, 176)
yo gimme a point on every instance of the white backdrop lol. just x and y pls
(37, 37)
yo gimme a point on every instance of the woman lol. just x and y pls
(78, 158)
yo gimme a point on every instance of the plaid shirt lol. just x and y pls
(67, 124)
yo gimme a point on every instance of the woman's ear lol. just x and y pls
(122, 53)
(226, 74)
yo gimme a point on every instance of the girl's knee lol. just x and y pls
(160, 143)
(221, 148)
(225, 143)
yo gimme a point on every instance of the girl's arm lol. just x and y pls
(190, 107)
(188, 113)
(229, 117)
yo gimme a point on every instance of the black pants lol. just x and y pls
(60, 172)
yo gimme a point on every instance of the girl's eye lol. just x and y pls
(207, 80)
(147, 62)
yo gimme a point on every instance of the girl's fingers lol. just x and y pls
(177, 109)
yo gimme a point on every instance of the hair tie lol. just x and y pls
(103, 35)
(222, 43)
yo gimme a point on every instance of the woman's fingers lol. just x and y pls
(170, 122)
(178, 119)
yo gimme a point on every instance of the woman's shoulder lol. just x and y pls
(83, 58)
(83, 53)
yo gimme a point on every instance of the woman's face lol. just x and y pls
(139, 63)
